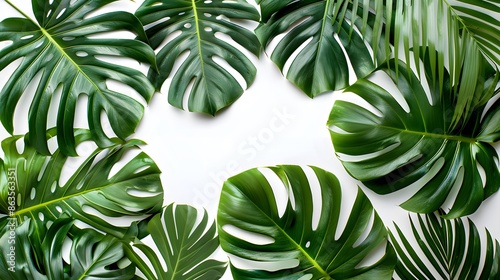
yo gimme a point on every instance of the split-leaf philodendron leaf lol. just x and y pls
(37, 253)
(31, 186)
(323, 63)
(201, 80)
(321, 249)
(392, 147)
(56, 47)
(184, 244)
(447, 249)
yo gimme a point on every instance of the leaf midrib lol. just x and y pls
(304, 253)
(64, 198)
(57, 46)
(432, 135)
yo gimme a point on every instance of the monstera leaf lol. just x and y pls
(323, 62)
(185, 244)
(452, 250)
(412, 142)
(39, 256)
(31, 187)
(201, 80)
(309, 249)
(56, 46)
(467, 33)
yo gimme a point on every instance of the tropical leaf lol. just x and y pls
(185, 244)
(311, 250)
(56, 46)
(91, 194)
(468, 33)
(38, 255)
(198, 23)
(323, 63)
(447, 249)
(393, 147)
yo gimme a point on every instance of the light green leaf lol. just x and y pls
(185, 244)
(198, 23)
(32, 181)
(391, 148)
(37, 253)
(467, 34)
(447, 249)
(57, 47)
(323, 63)
(313, 250)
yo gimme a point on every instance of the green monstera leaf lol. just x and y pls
(38, 254)
(447, 249)
(56, 46)
(467, 34)
(410, 141)
(31, 187)
(323, 62)
(201, 79)
(185, 244)
(291, 241)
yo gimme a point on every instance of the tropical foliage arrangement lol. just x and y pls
(432, 130)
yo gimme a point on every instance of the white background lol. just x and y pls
(197, 153)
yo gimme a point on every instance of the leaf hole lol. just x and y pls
(233, 72)
(53, 187)
(368, 156)
(315, 187)
(270, 266)
(43, 169)
(81, 54)
(208, 1)
(366, 231)
(294, 55)
(382, 78)
(169, 38)
(187, 25)
(27, 37)
(279, 189)
(373, 256)
(5, 44)
(182, 13)
(251, 237)
(59, 209)
(39, 44)
(68, 38)
(20, 146)
(208, 29)
(61, 13)
(33, 193)
(126, 158)
(208, 15)
(271, 45)
(156, 23)
(41, 216)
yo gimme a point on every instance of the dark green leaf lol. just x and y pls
(134, 191)
(184, 244)
(198, 22)
(452, 250)
(393, 149)
(323, 64)
(248, 204)
(57, 47)
(36, 253)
